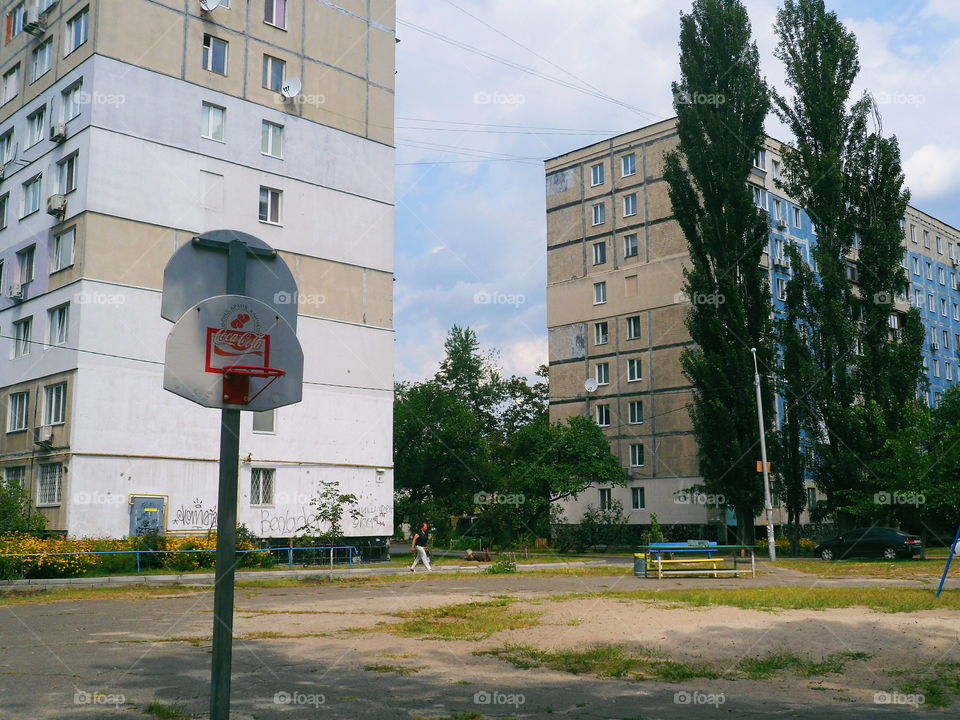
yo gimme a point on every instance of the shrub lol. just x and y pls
(505, 563)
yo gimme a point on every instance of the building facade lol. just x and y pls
(127, 127)
(616, 311)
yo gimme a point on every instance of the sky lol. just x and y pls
(488, 89)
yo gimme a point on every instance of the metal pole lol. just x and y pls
(767, 503)
(222, 661)
(946, 569)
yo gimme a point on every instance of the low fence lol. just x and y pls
(289, 555)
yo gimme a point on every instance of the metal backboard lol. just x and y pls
(195, 273)
(226, 331)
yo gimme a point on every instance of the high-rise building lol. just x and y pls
(616, 310)
(127, 127)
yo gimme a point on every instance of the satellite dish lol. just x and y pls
(591, 385)
(291, 88)
(209, 5)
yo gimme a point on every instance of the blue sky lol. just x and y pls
(472, 133)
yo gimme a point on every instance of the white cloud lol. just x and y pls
(933, 171)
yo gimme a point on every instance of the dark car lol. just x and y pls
(870, 542)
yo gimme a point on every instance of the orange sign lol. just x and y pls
(760, 466)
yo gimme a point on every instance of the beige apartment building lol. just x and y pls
(127, 127)
(615, 311)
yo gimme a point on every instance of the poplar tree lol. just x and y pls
(721, 102)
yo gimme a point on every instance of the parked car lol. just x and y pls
(870, 542)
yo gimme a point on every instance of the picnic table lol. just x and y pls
(697, 557)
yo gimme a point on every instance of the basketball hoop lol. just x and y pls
(236, 381)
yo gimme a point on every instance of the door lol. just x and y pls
(146, 515)
(851, 543)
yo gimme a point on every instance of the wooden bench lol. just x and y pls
(714, 566)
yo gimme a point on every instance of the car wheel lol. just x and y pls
(826, 554)
(889, 553)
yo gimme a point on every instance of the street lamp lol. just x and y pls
(767, 504)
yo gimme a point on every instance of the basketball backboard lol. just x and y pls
(219, 346)
(195, 273)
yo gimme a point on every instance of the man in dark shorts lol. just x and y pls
(418, 546)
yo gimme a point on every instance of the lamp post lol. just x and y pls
(767, 504)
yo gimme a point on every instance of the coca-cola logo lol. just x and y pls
(238, 340)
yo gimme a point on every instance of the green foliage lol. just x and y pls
(726, 234)
(17, 514)
(656, 534)
(596, 527)
(329, 505)
(504, 564)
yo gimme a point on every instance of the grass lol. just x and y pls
(901, 569)
(140, 592)
(162, 711)
(889, 600)
(464, 621)
(769, 665)
(939, 684)
(398, 669)
(611, 661)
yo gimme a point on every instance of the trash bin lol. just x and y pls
(639, 564)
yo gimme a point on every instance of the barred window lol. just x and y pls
(261, 486)
(48, 488)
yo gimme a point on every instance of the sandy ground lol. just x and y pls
(316, 641)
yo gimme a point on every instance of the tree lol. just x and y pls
(721, 102)
(471, 375)
(329, 504)
(16, 511)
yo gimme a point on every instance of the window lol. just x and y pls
(941, 276)
(636, 412)
(599, 214)
(929, 271)
(603, 373)
(796, 217)
(275, 13)
(936, 368)
(15, 21)
(40, 60)
(930, 304)
(71, 102)
(943, 307)
(781, 289)
(271, 139)
(265, 422)
(916, 266)
(10, 85)
(603, 415)
(273, 69)
(67, 175)
(261, 486)
(215, 54)
(35, 126)
(631, 245)
(212, 127)
(636, 455)
(948, 371)
(956, 313)
(775, 169)
(760, 159)
(18, 407)
(926, 238)
(606, 498)
(599, 293)
(811, 498)
(6, 147)
(939, 245)
(628, 165)
(15, 476)
(634, 369)
(913, 232)
(903, 261)
(25, 263)
(758, 198)
(4, 202)
(55, 404)
(77, 29)
(918, 298)
(946, 340)
(600, 333)
(596, 175)
(633, 327)
(953, 281)
(270, 205)
(638, 500)
(58, 319)
(599, 253)
(22, 330)
(62, 251)
(630, 205)
(778, 210)
(48, 487)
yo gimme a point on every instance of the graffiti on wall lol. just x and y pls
(195, 516)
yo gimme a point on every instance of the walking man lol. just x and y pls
(418, 546)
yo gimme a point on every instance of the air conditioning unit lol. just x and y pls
(43, 435)
(58, 132)
(781, 225)
(935, 345)
(34, 22)
(57, 204)
(15, 292)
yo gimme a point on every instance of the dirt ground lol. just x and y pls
(296, 645)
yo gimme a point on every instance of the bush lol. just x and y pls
(505, 563)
